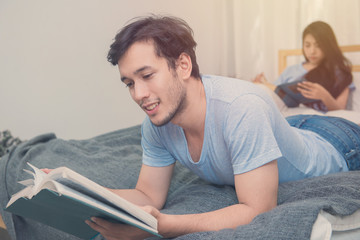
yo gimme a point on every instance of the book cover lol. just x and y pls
(291, 96)
(48, 201)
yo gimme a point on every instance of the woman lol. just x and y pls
(326, 71)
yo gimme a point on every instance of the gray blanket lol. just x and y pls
(113, 160)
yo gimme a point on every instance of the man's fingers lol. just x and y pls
(46, 170)
(150, 209)
(99, 224)
(94, 226)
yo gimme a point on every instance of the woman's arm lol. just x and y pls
(261, 79)
(342, 99)
(316, 91)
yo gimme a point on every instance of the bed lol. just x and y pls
(307, 209)
(352, 113)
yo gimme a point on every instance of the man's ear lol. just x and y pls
(184, 66)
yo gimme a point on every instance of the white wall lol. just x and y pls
(54, 76)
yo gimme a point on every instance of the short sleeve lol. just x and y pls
(281, 79)
(154, 152)
(352, 87)
(291, 74)
(251, 139)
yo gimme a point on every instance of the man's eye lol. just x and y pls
(147, 76)
(128, 85)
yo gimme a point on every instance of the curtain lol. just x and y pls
(254, 31)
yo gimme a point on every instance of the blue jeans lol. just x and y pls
(344, 135)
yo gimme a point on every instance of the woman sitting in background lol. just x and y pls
(325, 76)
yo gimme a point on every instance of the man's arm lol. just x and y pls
(256, 191)
(151, 191)
(152, 187)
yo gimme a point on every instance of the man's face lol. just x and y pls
(152, 84)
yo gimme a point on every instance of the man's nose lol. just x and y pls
(141, 91)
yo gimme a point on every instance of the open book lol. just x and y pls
(290, 94)
(64, 199)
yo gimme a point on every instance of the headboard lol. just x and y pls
(283, 54)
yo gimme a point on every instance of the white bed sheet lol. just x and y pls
(351, 115)
(330, 227)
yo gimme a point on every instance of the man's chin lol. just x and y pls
(160, 122)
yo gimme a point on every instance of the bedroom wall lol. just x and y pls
(54, 76)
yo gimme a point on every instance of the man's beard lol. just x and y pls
(179, 106)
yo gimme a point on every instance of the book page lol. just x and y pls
(85, 186)
(23, 193)
(66, 191)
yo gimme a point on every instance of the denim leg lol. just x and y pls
(344, 135)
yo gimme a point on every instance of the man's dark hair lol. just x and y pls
(171, 37)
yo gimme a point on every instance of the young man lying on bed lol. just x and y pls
(227, 131)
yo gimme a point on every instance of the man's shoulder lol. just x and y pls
(228, 89)
(221, 79)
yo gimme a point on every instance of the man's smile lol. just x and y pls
(150, 108)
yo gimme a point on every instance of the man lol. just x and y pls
(225, 130)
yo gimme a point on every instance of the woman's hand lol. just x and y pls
(260, 78)
(316, 91)
(312, 90)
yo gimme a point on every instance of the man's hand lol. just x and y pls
(46, 170)
(118, 231)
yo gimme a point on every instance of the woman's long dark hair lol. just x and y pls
(334, 66)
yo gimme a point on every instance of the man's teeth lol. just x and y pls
(151, 107)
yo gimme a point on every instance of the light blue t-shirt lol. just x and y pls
(243, 131)
(291, 74)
